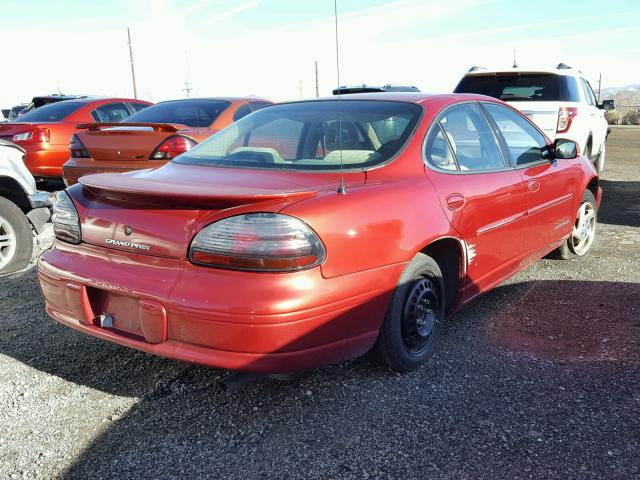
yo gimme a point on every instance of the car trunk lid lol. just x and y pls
(119, 141)
(158, 212)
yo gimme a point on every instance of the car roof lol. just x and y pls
(567, 71)
(229, 99)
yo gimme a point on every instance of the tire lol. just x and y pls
(599, 164)
(587, 151)
(16, 238)
(414, 320)
(572, 245)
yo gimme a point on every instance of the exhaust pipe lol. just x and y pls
(236, 381)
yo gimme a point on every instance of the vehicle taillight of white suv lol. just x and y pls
(560, 101)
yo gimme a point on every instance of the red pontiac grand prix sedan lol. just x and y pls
(244, 253)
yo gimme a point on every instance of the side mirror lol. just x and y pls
(607, 105)
(564, 148)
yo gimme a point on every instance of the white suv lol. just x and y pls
(23, 211)
(560, 101)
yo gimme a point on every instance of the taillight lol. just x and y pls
(565, 117)
(66, 223)
(34, 135)
(77, 148)
(258, 241)
(172, 147)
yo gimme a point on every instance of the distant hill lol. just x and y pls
(626, 95)
(627, 100)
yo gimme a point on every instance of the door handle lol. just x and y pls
(455, 201)
(533, 185)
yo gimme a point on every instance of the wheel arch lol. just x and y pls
(449, 254)
(12, 190)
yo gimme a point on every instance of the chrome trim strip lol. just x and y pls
(551, 203)
(501, 223)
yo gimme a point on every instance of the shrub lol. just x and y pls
(613, 117)
(630, 118)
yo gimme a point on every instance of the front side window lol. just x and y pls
(524, 141)
(314, 135)
(53, 112)
(111, 112)
(471, 139)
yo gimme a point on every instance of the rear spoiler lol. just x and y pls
(158, 127)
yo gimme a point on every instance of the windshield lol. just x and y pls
(53, 112)
(521, 87)
(309, 136)
(193, 113)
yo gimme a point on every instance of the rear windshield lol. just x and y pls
(193, 113)
(311, 136)
(53, 112)
(522, 87)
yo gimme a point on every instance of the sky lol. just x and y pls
(268, 48)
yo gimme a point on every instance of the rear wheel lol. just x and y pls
(584, 230)
(415, 318)
(16, 238)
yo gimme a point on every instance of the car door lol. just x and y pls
(481, 194)
(549, 190)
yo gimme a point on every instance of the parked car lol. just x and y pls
(14, 112)
(305, 234)
(44, 133)
(560, 101)
(150, 138)
(23, 210)
(389, 87)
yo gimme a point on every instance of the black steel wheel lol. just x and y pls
(414, 321)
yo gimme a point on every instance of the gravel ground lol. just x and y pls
(539, 379)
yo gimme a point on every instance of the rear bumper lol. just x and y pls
(236, 320)
(45, 159)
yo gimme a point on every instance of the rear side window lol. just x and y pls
(438, 150)
(530, 87)
(470, 138)
(192, 113)
(588, 92)
(137, 107)
(53, 112)
(111, 112)
(524, 141)
(247, 108)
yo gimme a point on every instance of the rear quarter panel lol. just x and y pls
(374, 225)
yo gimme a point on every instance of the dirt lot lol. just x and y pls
(540, 379)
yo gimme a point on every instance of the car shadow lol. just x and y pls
(626, 208)
(183, 424)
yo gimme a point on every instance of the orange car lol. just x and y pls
(45, 131)
(153, 136)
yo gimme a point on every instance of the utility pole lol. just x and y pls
(187, 88)
(300, 88)
(133, 73)
(599, 87)
(317, 87)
